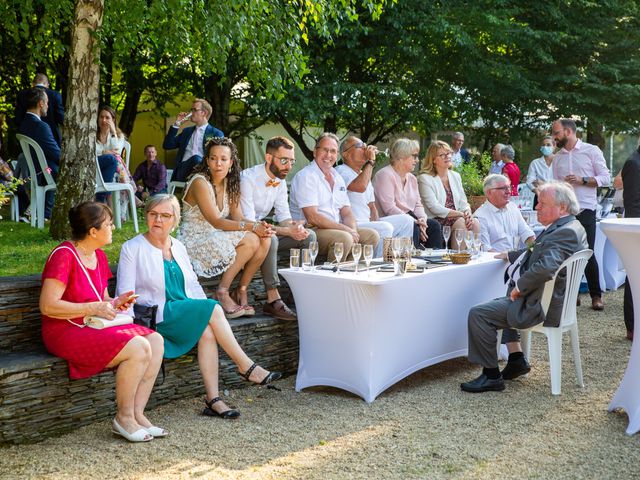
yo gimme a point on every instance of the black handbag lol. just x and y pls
(146, 316)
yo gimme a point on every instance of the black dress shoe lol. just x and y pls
(483, 384)
(515, 369)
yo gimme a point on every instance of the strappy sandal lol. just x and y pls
(235, 296)
(236, 312)
(231, 414)
(271, 377)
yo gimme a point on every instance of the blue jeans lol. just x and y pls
(108, 164)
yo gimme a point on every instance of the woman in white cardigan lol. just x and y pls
(441, 191)
(156, 266)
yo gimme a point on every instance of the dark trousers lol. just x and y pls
(628, 306)
(434, 234)
(185, 167)
(588, 220)
(108, 165)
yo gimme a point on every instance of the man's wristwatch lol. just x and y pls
(585, 180)
(370, 162)
(242, 225)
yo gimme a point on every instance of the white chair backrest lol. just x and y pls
(575, 265)
(100, 184)
(28, 143)
(126, 153)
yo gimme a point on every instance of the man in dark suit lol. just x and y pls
(460, 154)
(631, 202)
(521, 308)
(37, 103)
(55, 114)
(191, 141)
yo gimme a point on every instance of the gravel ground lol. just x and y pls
(423, 427)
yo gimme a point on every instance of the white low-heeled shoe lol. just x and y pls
(140, 435)
(157, 432)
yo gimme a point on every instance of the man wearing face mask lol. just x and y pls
(263, 188)
(582, 165)
(540, 170)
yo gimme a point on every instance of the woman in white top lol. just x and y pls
(540, 170)
(441, 191)
(214, 231)
(156, 266)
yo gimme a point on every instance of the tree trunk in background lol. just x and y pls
(76, 180)
(595, 134)
(219, 95)
(134, 87)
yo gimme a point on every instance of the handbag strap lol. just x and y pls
(84, 269)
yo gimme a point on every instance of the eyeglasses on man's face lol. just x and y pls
(330, 151)
(197, 110)
(505, 189)
(359, 144)
(285, 161)
(161, 216)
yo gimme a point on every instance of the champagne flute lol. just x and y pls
(469, 239)
(477, 243)
(356, 251)
(459, 237)
(368, 256)
(446, 233)
(396, 246)
(338, 251)
(313, 249)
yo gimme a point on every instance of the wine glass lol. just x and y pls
(396, 246)
(477, 243)
(459, 238)
(356, 251)
(338, 251)
(313, 249)
(469, 239)
(368, 256)
(446, 233)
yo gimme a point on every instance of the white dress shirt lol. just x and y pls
(359, 200)
(498, 226)
(309, 188)
(141, 269)
(456, 158)
(539, 170)
(194, 147)
(583, 160)
(257, 199)
(496, 167)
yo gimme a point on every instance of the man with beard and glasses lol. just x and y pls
(263, 188)
(582, 165)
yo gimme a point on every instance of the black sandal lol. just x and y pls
(231, 414)
(272, 377)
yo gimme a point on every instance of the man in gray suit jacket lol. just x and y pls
(521, 308)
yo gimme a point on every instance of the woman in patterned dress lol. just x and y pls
(157, 267)
(217, 237)
(74, 285)
(442, 193)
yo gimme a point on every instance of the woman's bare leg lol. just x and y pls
(149, 378)
(208, 362)
(245, 250)
(251, 268)
(132, 362)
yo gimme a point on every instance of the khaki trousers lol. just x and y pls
(327, 238)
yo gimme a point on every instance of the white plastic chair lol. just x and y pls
(126, 153)
(14, 208)
(574, 265)
(525, 196)
(37, 191)
(175, 184)
(112, 187)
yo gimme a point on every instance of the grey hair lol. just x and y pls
(155, 200)
(563, 195)
(492, 180)
(344, 143)
(508, 152)
(402, 147)
(330, 135)
(458, 135)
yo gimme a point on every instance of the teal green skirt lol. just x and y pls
(184, 318)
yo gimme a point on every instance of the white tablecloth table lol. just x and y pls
(365, 333)
(624, 234)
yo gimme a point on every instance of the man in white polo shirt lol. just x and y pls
(500, 220)
(356, 171)
(319, 196)
(263, 188)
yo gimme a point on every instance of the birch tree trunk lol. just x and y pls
(77, 177)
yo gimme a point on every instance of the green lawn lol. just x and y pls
(24, 249)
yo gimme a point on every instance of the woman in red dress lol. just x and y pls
(510, 169)
(74, 285)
